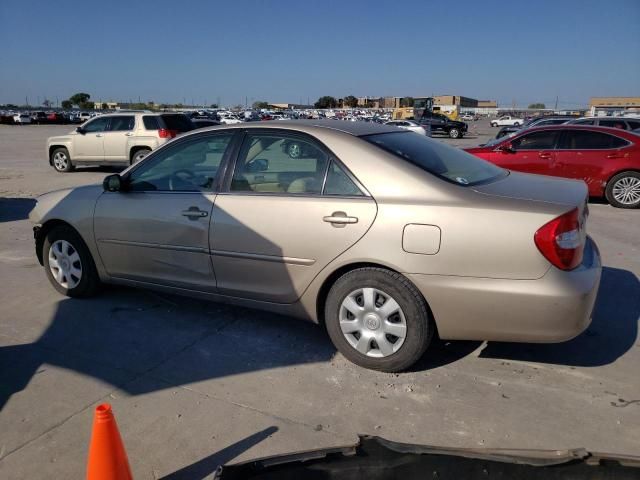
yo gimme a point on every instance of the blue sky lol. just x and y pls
(172, 51)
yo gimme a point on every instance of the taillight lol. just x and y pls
(166, 133)
(561, 241)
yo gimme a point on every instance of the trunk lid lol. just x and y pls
(539, 188)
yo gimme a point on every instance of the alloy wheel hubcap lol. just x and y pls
(294, 150)
(65, 264)
(60, 161)
(627, 190)
(372, 322)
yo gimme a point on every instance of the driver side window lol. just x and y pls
(190, 166)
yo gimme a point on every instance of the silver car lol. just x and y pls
(385, 237)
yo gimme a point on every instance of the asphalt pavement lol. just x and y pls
(194, 384)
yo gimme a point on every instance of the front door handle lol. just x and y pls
(339, 219)
(194, 212)
(98, 135)
(544, 156)
(128, 134)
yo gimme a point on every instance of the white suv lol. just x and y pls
(115, 139)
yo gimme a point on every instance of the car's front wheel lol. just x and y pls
(623, 190)
(516, 124)
(378, 319)
(68, 263)
(61, 161)
(454, 133)
(493, 124)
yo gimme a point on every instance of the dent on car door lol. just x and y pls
(584, 155)
(157, 229)
(270, 244)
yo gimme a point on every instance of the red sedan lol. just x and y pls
(607, 159)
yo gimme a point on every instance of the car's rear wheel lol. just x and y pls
(516, 124)
(61, 160)
(68, 263)
(139, 154)
(623, 190)
(454, 133)
(378, 319)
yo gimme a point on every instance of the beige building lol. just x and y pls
(613, 104)
(109, 105)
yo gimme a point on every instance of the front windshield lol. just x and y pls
(449, 163)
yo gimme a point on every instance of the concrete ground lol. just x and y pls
(194, 384)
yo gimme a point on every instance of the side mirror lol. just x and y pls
(258, 165)
(80, 130)
(507, 148)
(112, 183)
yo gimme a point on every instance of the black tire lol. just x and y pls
(89, 281)
(494, 124)
(611, 184)
(420, 326)
(138, 154)
(454, 133)
(61, 161)
(516, 124)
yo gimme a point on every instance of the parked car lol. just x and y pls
(22, 119)
(439, 123)
(115, 139)
(375, 234)
(38, 118)
(625, 123)
(84, 116)
(468, 116)
(409, 125)
(229, 119)
(607, 159)
(533, 122)
(506, 120)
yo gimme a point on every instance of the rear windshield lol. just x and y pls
(448, 163)
(177, 122)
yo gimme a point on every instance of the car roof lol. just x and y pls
(356, 129)
(568, 126)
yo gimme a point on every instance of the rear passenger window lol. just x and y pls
(583, 122)
(613, 124)
(587, 140)
(150, 123)
(339, 183)
(271, 163)
(633, 124)
(122, 123)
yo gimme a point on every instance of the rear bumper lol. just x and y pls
(553, 308)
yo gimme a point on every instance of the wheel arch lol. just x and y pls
(53, 147)
(45, 228)
(135, 149)
(328, 282)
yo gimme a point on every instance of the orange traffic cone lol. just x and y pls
(107, 458)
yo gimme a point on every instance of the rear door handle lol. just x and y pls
(614, 155)
(544, 156)
(340, 218)
(98, 134)
(194, 212)
(128, 134)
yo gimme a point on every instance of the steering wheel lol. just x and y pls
(182, 176)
